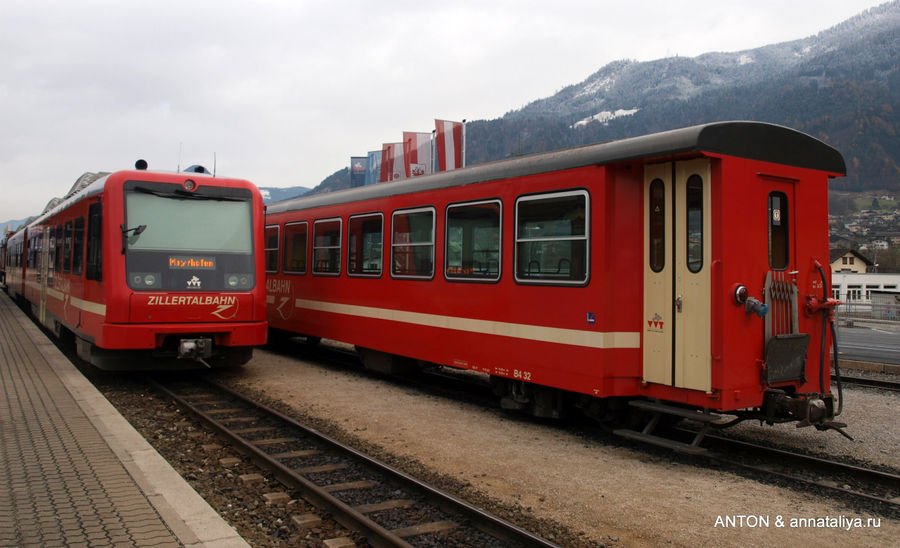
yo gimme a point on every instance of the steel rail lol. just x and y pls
(883, 384)
(887, 480)
(344, 513)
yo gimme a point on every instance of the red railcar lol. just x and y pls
(142, 266)
(674, 271)
(3, 260)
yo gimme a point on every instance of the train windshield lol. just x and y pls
(176, 239)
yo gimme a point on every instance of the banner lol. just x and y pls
(416, 153)
(357, 171)
(392, 162)
(450, 145)
(373, 167)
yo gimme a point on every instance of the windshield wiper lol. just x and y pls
(179, 194)
(137, 231)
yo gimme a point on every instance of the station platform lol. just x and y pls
(73, 471)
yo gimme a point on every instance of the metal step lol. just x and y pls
(678, 446)
(672, 410)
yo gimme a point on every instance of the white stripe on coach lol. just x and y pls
(575, 337)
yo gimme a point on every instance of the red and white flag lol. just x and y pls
(392, 165)
(417, 153)
(450, 145)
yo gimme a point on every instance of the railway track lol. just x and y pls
(877, 488)
(386, 506)
(883, 384)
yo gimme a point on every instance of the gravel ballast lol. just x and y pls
(603, 493)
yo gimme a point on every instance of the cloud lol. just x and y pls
(284, 92)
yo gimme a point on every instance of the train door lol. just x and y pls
(44, 273)
(677, 291)
(785, 346)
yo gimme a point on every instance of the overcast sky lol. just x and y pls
(283, 92)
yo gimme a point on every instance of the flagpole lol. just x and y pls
(464, 143)
(434, 151)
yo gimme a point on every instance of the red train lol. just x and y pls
(147, 270)
(678, 272)
(3, 260)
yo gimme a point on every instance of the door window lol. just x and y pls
(779, 249)
(694, 218)
(657, 232)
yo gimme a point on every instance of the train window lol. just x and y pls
(657, 232)
(551, 238)
(94, 242)
(779, 249)
(78, 246)
(31, 257)
(327, 246)
(58, 254)
(271, 237)
(694, 229)
(473, 241)
(51, 254)
(67, 247)
(295, 236)
(412, 243)
(204, 222)
(364, 244)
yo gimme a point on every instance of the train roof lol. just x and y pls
(751, 140)
(91, 183)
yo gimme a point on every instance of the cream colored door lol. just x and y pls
(658, 298)
(677, 246)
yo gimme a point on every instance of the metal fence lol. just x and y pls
(847, 313)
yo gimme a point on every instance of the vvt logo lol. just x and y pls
(193, 282)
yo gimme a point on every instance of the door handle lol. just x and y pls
(678, 302)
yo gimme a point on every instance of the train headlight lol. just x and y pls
(751, 305)
(740, 294)
(238, 281)
(190, 185)
(145, 280)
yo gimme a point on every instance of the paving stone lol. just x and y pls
(62, 483)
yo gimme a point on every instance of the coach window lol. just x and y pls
(657, 217)
(271, 248)
(95, 242)
(779, 249)
(31, 258)
(694, 232)
(295, 235)
(473, 241)
(551, 238)
(67, 248)
(365, 244)
(412, 243)
(327, 247)
(51, 259)
(57, 263)
(78, 246)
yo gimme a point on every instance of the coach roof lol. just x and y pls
(752, 140)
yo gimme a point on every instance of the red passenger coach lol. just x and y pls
(678, 272)
(143, 266)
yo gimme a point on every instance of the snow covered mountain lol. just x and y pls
(841, 85)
